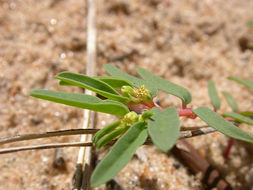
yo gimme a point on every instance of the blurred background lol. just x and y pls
(187, 42)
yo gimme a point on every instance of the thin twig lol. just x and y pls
(45, 146)
(183, 128)
(47, 134)
(189, 134)
(183, 135)
(187, 131)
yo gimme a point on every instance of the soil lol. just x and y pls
(187, 42)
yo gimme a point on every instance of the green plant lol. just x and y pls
(121, 91)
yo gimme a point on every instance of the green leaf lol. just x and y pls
(92, 84)
(105, 131)
(165, 85)
(114, 82)
(109, 137)
(220, 124)
(247, 113)
(238, 117)
(82, 101)
(242, 81)
(62, 83)
(164, 128)
(115, 72)
(250, 24)
(120, 154)
(213, 95)
(231, 101)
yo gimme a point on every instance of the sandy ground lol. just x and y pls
(186, 41)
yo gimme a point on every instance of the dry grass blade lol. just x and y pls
(84, 155)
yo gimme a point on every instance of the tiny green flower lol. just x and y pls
(137, 95)
(143, 94)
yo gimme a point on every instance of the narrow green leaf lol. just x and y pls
(242, 81)
(231, 101)
(247, 113)
(92, 84)
(238, 117)
(165, 85)
(163, 128)
(250, 24)
(114, 82)
(120, 154)
(62, 83)
(115, 72)
(82, 101)
(213, 95)
(220, 124)
(105, 131)
(109, 137)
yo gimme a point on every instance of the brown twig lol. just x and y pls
(46, 146)
(85, 144)
(189, 156)
(46, 134)
(186, 132)
(194, 133)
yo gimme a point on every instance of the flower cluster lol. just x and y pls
(137, 95)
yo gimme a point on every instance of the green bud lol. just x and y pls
(146, 115)
(130, 118)
(127, 91)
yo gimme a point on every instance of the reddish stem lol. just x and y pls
(228, 148)
(156, 105)
(184, 105)
(150, 105)
(228, 119)
(230, 143)
(187, 113)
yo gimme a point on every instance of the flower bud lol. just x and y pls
(127, 91)
(130, 118)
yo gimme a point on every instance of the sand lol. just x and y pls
(187, 42)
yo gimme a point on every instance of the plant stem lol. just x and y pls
(150, 105)
(228, 148)
(157, 105)
(230, 143)
(187, 112)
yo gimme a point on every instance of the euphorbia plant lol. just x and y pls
(122, 94)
